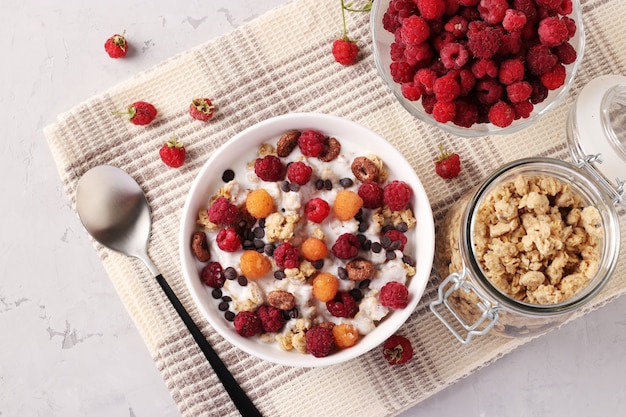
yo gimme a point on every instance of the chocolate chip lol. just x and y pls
(216, 293)
(258, 232)
(268, 249)
(364, 284)
(346, 182)
(391, 255)
(366, 245)
(293, 313)
(319, 184)
(408, 260)
(402, 227)
(230, 273)
(284, 186)
(356, 294)
(319, 264)
(242, 280)
(227, 299)
(228, 175)
(279, 275)
(229, 315)
(363, 226)
(223, 306)
(376, 247)
(328, 185)
(342, 273)
(385, 241)
(294, 186)
(395, 245)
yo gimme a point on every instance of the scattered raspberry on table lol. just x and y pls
(201, 109)
(397, 350)
(173, 153)
(139, 113)
(116, 46)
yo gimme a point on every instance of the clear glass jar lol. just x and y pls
(472, 300)
(469, 302)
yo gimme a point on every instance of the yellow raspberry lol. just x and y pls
(314, 249)
(325, 286)
(346, 335)
(259, 203)
(347, 204)
(254, 264)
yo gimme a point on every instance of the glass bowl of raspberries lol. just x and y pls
(306, 240)
(478, 67)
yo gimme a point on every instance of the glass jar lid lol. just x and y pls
(596, 132)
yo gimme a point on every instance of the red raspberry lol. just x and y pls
(565, 8)
(213, 275)
(457, 25)
(247, 324)
(553, 31)
(466, 113)
(343, 305)
(398, 349)
(485, 42)
(311, 143)
(411, 91)
(484, 68)
(287, 256)
(554, 78)
(446, 88)
(116, 46)
(540, 59)
(272, 319)
(372, 195)
(571, 25)
(519, 91)
(316, 210)
(345, 51)
(447, 165)
(299, 172)
(511, 43)
(417, 55)
(223, 211)
(466, 80)
(513, 20)
(444, 111)
(319, 341)
(441, 40)
(501, 114)
(488, 91)
(566, 53)
(228, 240)
(511, 71)
(454, 55)
(396, 235)
(426, 78)
(394, 295)
(492, 11)
(401, 71)
(346, 246)
(431, 9)
(540, 92)
(549, 4)
(523, 109)
(414, 30)
(269, 168)
(428, 103)
(397, 195)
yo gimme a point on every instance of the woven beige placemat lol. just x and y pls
(277, 64)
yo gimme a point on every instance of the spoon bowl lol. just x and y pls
(114, 210)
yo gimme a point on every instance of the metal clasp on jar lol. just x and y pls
(482, 325)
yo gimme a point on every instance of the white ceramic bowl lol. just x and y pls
(243, 147)
(382, 40)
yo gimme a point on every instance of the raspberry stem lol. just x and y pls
(348, 7)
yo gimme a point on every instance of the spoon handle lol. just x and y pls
(243, 403)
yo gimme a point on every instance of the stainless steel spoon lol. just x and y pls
(115, 211)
